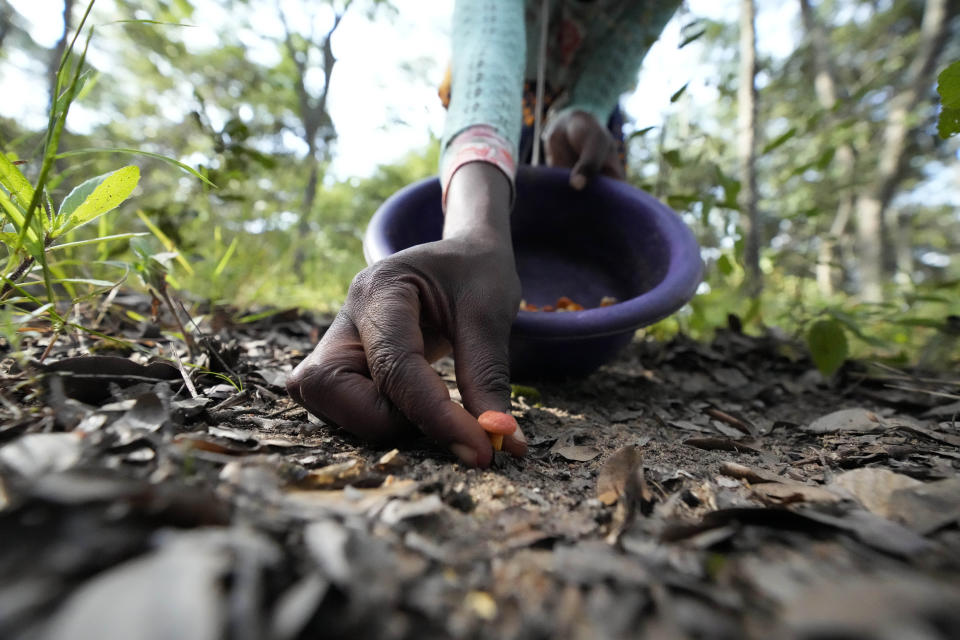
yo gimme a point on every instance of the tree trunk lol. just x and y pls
(746, 148)
(6, 19)
(825, 85)
(872, 202)
(57, 53)
(317, 125)
(303, 223)
(903, 246)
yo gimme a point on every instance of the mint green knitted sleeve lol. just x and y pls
(613, 67)
(489, 57)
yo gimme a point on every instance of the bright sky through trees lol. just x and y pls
(383, 97)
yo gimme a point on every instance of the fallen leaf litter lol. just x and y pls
(721, 490)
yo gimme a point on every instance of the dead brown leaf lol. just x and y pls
(778, 493)
(754, 476)
(613, 477)
(856, 420)
(873, 487)
(577, 453)
(927, 507)
(712, 443)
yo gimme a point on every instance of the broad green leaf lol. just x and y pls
(96, 197)
(8, 238)
(827, 342)
(17, 218)
(851, 323)
(672, 156)
(77, 197)
(949, 122)
(15, 182)
(725, 265)
(948, 86)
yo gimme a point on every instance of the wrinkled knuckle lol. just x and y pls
(493, 375)
(387, 367)
(361, 284)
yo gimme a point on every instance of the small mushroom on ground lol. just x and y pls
(497, 424)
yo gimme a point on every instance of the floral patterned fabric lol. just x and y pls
(594, 52)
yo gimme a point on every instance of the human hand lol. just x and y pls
(370, 373)
(576, 140)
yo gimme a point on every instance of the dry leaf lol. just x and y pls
(873, 487)
(926, 507)
(613, 477)
(578, 453)
(36, 454)
(710, 443)
(778, 493)
(856, 420)
(391, 461)
(754, 476)
(333, 476)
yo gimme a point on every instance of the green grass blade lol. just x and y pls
(137, 152)
(226, 257)
(155, 22)
(98, 240)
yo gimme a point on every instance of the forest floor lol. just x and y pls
(687, 490)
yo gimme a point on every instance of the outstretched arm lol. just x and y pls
(370, 374)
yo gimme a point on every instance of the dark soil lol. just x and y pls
(684, 491)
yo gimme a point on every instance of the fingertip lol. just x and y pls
(466, 454)
(471, 457)
(578, 181)
(516, 444)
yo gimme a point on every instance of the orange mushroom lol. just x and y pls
(497, 424)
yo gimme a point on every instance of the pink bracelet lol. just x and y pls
(478, 143)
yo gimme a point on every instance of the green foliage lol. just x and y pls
(827, 342)
(95, 197)
(948, 85)
(225, 116)
(40, 241)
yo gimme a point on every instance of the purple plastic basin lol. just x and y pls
(611, 239)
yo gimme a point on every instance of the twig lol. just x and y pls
(183, 373)
(187, 338)
(20, 270)
(104, 306)
(909, 377)
(53, 341)
(211, 351)
(940, 394)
